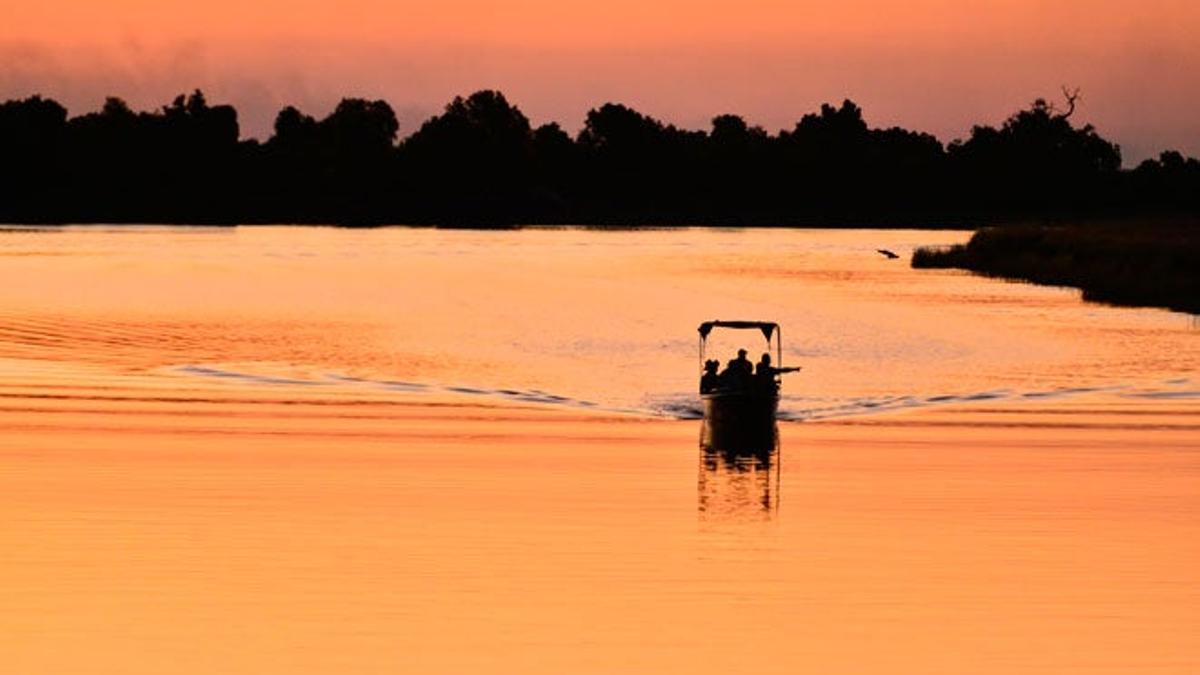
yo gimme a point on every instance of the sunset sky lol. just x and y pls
(933, 65)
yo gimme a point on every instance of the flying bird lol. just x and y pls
(888, 254)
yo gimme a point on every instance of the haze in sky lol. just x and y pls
(931, 65)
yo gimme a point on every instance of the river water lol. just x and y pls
(287, 449)
(568, 317)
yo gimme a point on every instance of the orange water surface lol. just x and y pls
(313, 450)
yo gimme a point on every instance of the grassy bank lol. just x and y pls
(1121, 264)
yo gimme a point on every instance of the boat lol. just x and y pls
(740, 406)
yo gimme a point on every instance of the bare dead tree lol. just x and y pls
(1072, 95)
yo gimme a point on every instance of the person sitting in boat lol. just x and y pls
(709, 380)
(764, 372)
(742, 364)
(738, 373)
(763, 365)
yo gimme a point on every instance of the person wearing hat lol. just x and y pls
(709, 381)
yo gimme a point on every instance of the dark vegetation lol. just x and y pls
(481, 163)
(1153, 265)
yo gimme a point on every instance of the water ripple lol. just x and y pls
(687, 406)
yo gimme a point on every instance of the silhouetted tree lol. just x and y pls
(737, 171)
(339, 168)
(359, 129)
(475, 161)
(1169, 183)
(295, 167)
(193, 145)
(636, 164)
(109, 160)
(480, 162)
(908, 171)
(1036, 162)
(31, 144)
(557, 163)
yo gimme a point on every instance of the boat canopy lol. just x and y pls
(768, 328)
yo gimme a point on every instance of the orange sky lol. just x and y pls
(935, 65)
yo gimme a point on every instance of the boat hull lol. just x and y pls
(739, 422)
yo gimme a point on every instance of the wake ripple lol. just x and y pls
(799, 409)
(687, 406)
(536, 396)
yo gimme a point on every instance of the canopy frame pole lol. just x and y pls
(779, 345)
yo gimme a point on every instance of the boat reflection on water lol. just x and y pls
(739, 474)
(739, 437)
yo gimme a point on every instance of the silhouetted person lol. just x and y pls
(738, 372)
(710, 380)
(764, 374)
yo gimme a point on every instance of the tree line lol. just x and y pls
(482, 163)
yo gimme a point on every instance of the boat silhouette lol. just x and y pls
(740, 403)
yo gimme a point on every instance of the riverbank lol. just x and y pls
(1151, 265)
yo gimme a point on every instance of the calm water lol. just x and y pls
(569, 317)
(263, 450)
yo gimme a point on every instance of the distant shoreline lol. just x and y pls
(1122, 264)
(481, 164)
